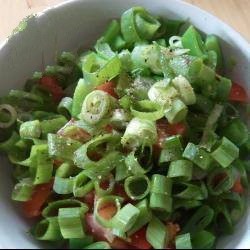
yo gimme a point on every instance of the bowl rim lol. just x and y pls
(242, 40)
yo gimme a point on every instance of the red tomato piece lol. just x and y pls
(51, 85)
(32, 208)
(89, 199)
(80, 135)
(94, 156)
(138, 239)
(108, 87)
(173, 230)
(75, 133)
(177, 129)
(218, 178)
(101, 233)
(107, 211)
(104, 184)
(96, 230)
(118, 243)
(238, 93)
(120, 191)
(57, 163)
(164, 129)
(108, 128)
(237, 187)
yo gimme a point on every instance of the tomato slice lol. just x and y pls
(32, 208)
(94, 156)
(138, 239)
(57, 163)
(108, 128)
(120, 191)
(70, 130)
(89, 199)
(177, 129)
(104, 184)
(101, 233)
(96, 230)
(173, 230)
(118, 243)
(108, 211)
(238, 93)
(108, 87)
(164, 129)
(79, 134)
(51, 85)
(237, 187)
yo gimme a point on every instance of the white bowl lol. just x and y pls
(80, 22)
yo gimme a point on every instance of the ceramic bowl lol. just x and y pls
(78, 23)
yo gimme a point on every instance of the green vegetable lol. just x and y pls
(23, 190)
(220, 181)
(79, 243)
(96, 107)
(160, 193)
(177, 112)
(137, 24)
(52, 209)
(30, 129)
(190, 191)
(97, 70)
(101, 202)
(156, 233)
(70, 222)
(82, 185)
(183, 241)
(162, 93)
(172, 149)
(236, 131)
(81, 91)
(126, 217)
(203, 239)
(181, 170)
(98, 245)
(143, 218)
(52, 125)
(48, 229)
(41, 166)
(102, 192)
(198, 156)
(191, 39)
(81, 155)
(65, 106)
(139, 132)
(147, 110)
(63, 185)
(212, 44)
(137, 187)
(225, 153)
(200, 220)
(185, 89)
(61, 147)
(210, 127)
(146, 57)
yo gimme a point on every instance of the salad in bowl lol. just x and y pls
(139, 142)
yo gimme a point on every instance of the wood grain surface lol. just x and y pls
(233, 12)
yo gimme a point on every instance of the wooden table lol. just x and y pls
(234, 12)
